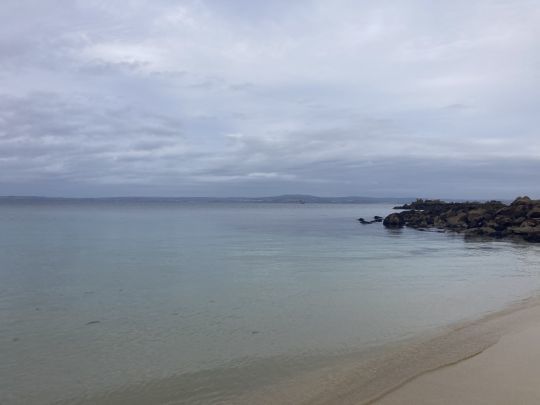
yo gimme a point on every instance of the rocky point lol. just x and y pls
(493, 218)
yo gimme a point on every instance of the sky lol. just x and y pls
(253, 98)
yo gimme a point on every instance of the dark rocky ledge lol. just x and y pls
(493, 218)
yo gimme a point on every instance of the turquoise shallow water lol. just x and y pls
(99, 296)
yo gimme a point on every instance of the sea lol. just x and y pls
(105, 301)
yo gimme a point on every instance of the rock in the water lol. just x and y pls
(92, 322)
(375, 219)
(394, 221)
(493, 218)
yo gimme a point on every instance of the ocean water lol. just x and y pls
(100, 298)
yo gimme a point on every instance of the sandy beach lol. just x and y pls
(504, 373)
(491, 360)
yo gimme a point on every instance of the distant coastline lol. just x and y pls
(282, 199)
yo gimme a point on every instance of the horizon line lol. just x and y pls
(296, 196)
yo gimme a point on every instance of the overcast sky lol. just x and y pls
(247, 98)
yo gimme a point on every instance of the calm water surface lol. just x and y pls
(96, 297)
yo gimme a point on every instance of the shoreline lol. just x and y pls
(376, 381)
(354, 378)
(505, 372)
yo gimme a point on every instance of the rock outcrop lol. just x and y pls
(493, 218)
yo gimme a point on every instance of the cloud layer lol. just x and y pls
(254, 98)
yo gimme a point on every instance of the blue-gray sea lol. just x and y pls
(100, 297)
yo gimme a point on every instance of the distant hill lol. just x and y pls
(302, 198)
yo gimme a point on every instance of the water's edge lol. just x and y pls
(355, 378)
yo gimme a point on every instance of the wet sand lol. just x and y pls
(505, 373)
(492, 360)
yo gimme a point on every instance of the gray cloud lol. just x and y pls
(225, 98)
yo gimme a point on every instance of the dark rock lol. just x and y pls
(534, 213)
(501, 222)
(521, 201)
(476, 217)
(375, 219)
(529, 233)
(394, 220)
(92, 322)
(531, 222)
(457, 221)
(488, 231)
(533, 236)
(420, 204)
(493, 218)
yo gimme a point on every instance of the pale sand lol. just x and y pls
(493, 360)
(505, 373)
